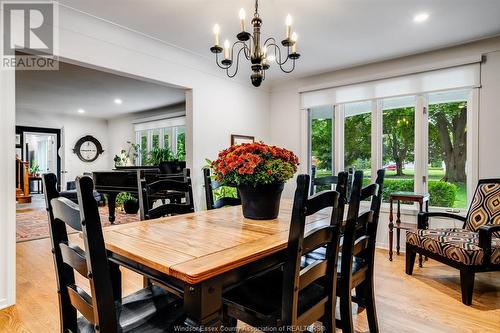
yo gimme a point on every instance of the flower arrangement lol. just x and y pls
(253, 164)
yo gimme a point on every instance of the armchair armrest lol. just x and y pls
(423, 218)
(485, 233)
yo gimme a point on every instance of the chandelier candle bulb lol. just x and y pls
(216, 33)
(226, 49)
(242, 19)
(294, 45)
(288, 26)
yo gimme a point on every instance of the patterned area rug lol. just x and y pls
(32, 223)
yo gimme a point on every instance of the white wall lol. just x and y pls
(217, 106)
(288, 121)
(73, 128)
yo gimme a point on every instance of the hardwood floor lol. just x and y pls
(427, 302)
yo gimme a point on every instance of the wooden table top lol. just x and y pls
(197, 246)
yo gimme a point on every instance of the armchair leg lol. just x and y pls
(467, 284)
(410, 260)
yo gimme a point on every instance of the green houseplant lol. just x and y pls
(128, 156)
(34, 169)
(259, 171)
(128, 202)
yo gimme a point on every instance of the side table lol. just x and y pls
(421, 198)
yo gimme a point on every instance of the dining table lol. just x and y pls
(202, 254)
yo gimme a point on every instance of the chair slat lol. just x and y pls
(172, 185)
(369, 191)
(312, 273)
(170, 208)
(327, 180)
(82, 302)
(313, 314)
(321, 201)
(67, 211)
(75, 257)
(317, 238)
(360, 245)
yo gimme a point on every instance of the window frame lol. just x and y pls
(421, 142)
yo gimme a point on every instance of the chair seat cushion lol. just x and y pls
(459, 245)
(149, 310)
(261, 297)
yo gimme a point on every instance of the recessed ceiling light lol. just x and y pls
(81, 111)
(421, 17)
(118, 101)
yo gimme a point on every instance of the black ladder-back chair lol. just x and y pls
(358, 253)
(165, 188)
(330, 180)
(292, 297)
(104, 310)
(210, 187)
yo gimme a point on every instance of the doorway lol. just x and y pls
(40, 148)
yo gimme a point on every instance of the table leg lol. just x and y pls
(391, 227)
(398, 222)
(203, 306)
(111, 206)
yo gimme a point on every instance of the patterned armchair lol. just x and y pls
(471, 249)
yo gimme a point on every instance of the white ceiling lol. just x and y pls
(73, 87)
(332, 33)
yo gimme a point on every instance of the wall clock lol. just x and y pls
(88, 149)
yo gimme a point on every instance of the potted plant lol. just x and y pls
(34, 170)
(128, 157)
(165, 160)
(259, 172)
(128, 202)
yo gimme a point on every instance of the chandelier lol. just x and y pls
(260, 55)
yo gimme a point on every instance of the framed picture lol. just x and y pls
(237, 139)
(18, 139)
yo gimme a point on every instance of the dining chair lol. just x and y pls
(291, 297)
(211, 186)
(358, 253)
(329, 181)
(174, 192)
(103, 310)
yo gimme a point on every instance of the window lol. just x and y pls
(357, 137)
(447, 148)
(321, 140)
(162, 134)
(398, 144)
(422, 141)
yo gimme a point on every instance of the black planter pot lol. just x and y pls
(131, 206)
(261, 202)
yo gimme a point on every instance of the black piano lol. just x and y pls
(125, 179)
